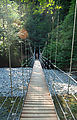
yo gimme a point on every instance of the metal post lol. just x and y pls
(39, 52)
(22, 69)
(25, 48)
(27, 62)
(72, 45)
(9, 55)
(34, 53)
(23, 79)
(10, 71)
(29, 59)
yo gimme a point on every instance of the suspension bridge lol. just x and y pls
(40, 93)
(38, 90)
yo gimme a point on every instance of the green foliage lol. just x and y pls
(8, 31)
(39, 18)
(74, 108)
(63, 33)
(38, 27)
(43, 6)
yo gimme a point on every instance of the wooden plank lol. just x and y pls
(38, 111)
(38, 97)
(43, 99)
(37, 115)
(42, 95)
(39, 118)
(38, 103)
(38, 100)
(30, 105)
(38, 93)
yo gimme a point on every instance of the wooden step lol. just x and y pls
(28, 105)
(38, 95)
(38, 109)
(37, 115)
(35, 93)
(38, 103)
(38, 99)
(38, 112)
(39, 118)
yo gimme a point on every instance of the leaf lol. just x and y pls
(25, 1)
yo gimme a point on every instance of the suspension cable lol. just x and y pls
(57, 38)
(12, 108)
(62, 79)
(73, 38)
(44, 48)
(57, 98)
(17, 108)
(30, 47)
(62, 71)
(9, 48)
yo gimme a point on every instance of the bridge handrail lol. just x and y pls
(61, 70)
(62, 82)
(31, 58)
(17, 108)
(64, 100)
(6, 97)
(12, 108)
(57, 100)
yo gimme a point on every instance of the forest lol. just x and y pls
(49, 25)
(44, 32)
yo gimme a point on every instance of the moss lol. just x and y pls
(5, 110)
(71, 102)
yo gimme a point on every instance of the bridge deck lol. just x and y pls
(38, 104)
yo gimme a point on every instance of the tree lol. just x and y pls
(65, 32)
(9, 27)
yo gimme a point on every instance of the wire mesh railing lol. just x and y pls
(63, 89)
(11, 105)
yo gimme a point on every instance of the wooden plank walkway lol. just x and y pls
(38, 104)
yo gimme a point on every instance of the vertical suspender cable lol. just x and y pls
(27, 63)
(56, 46)
(57, 38)
(22, 68)
(44, 48)
(51, 50)
(3, 25)
(73, 37)
(34, 52)
(30, 51)
(25, 48)
(26, 59)
(9, 60)
(72, 45)
(27, 53)
(52, 20)
(10, 69)
(39, 53)
(21, 54)
(26, 56)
